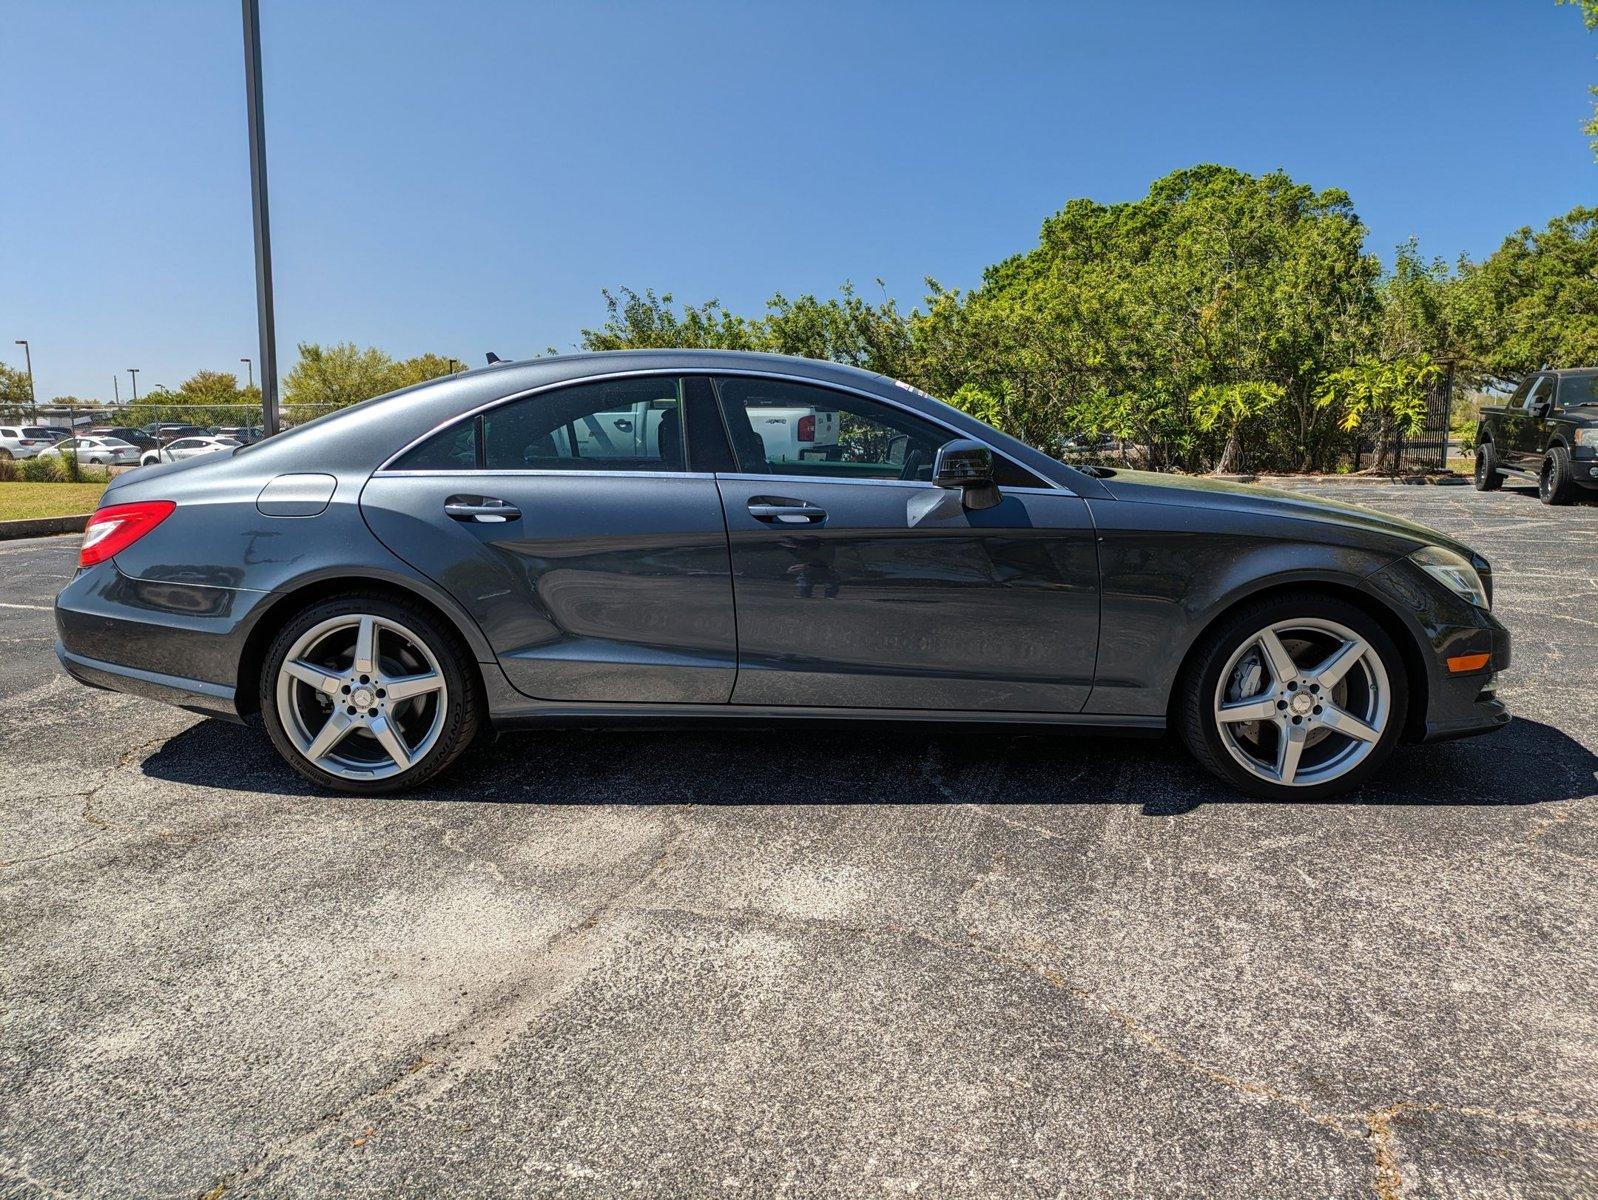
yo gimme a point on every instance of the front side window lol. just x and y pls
(779, 427)
(1541, 391)
(611, 425)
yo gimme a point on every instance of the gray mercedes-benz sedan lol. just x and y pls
(651, 536)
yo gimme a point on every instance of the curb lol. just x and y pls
(42, 527)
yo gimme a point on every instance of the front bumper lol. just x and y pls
(1445, 626)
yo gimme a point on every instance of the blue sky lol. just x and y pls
(462, 177)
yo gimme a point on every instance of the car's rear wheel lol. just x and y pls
(1295, 697)
(363, 693)
(1556, 484)
(1487, 478)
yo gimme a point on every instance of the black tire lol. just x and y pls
(1555, 483)
(1487, 477)
(1199, 682)
(5, 455)
(463, 710)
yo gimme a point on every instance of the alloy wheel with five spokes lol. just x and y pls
(364, 693)
(1298, 695)
(1302, 702)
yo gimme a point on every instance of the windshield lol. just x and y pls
(1579, 387)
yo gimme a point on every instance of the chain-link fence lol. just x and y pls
(150, 415)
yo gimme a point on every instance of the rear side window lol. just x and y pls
(452, 449)
(611, 425)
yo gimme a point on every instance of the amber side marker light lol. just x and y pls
(1461, 663)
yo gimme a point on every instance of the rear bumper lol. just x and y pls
(177, 642)
(211, 699)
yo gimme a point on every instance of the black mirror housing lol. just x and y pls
(967, 465)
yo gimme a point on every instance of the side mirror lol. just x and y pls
(967, 465)
(1540, 407)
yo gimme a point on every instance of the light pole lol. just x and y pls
(263, 228)
(250, 367)
(33, 396)
(133, 374)
(116, 389)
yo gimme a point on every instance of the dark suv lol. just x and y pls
(1545, 433)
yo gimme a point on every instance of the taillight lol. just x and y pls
(117, 526)
(807, 428)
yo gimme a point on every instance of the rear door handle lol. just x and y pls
(481, 508)
(779, 510)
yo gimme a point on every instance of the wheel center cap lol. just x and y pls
(362, 697)
(1302, 703)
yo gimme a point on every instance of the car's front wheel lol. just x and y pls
(1298, 696)
(1556, 483)
(363, 693)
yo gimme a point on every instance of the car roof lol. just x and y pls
(363, 436)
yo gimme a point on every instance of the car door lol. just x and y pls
(592, 558)
(1531, 429)
(860, 584)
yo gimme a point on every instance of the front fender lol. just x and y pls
(1166, 574)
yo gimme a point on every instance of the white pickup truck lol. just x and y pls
(790, 434)
(795, 434)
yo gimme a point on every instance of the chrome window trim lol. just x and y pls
(537, 472)
(805, 480)
(683, 373)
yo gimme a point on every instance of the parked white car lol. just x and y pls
(189, 447)
(98, 451)
(24, 441)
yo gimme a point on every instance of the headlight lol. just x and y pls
(1587, 437)
(1454, 572)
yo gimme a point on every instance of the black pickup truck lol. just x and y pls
(1545, 433)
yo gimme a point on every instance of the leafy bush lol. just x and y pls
(43, 470)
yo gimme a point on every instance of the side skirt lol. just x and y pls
(656, 716)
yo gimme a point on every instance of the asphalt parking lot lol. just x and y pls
(806, 962)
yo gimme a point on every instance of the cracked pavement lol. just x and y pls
(806, 962)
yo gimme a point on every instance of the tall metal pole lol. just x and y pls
(133, 374)
(33, 396)
(116, 390)
(263, 233)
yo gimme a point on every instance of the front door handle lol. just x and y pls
(779, 510)
(481, 508)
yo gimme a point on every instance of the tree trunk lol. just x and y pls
(1231, 455)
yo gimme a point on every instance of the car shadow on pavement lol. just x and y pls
(1525, 763)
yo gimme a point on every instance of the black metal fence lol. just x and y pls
(1429, 448)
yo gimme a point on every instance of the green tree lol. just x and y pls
(1125, 312)
(1534, 302)
(1229, 407)
(15, 395)
(1385, 398)
(1589, 15)
(844, 328)
(420, 369)
(339, 375)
